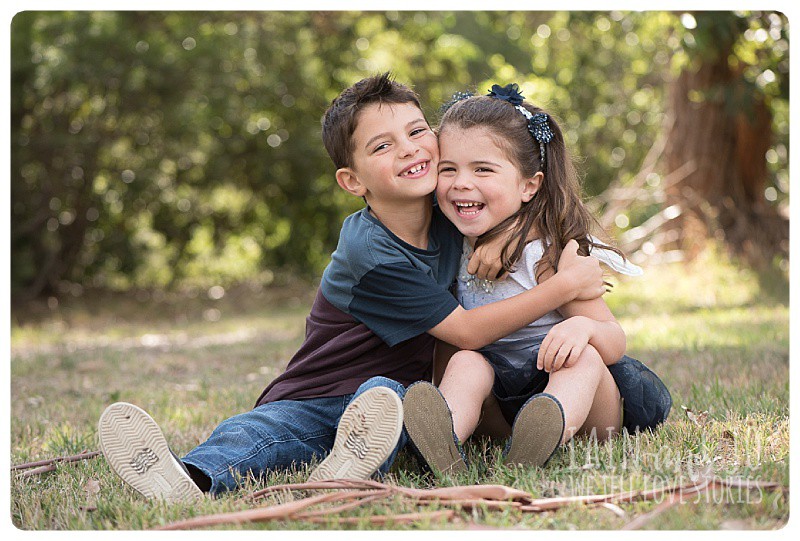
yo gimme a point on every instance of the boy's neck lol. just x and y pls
(410, 222)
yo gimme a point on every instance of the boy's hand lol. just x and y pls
(582, 273)
(564, 344)
(485, 262)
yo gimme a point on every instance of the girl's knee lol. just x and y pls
(469, 361)
(468, 370)
(590, 360)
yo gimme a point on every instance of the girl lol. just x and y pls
(504, 167)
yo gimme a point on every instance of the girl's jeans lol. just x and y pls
(278, 435)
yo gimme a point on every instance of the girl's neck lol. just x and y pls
(411, 222)
(532, 235)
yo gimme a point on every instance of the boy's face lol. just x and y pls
(395, 155)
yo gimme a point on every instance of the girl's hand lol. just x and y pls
(564, 344)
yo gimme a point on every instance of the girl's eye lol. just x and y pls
(381, 147)
(483, 170)
(446, 170)
(417, 131)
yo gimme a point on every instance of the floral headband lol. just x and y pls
(537, 123)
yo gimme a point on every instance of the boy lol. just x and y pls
(382, 301)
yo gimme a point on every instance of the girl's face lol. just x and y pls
(479, 186)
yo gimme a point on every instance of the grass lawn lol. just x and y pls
(720, 345)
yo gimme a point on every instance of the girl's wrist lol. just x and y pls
(592, 326)
(566, 291)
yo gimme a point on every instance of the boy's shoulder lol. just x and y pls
(364, 238)
(365, 242)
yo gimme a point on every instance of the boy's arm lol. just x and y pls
(577, 278)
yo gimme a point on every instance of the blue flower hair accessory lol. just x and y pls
(540, 129)
(537, 123)
(457, 97)
(509, 93)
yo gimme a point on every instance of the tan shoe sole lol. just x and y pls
(365, 438)
(430, 426)
(537, 432)
(137, 451)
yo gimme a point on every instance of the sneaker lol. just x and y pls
(537, 431)
(429, 424)
(137, 451)
(367, 434)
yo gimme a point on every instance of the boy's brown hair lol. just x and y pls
(341, 118)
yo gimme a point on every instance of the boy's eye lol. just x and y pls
(417, 131)
(380, 147)
(446, 170)
(482, 170)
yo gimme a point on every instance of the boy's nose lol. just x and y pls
(408, 148)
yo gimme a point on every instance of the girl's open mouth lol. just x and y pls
(468, 209)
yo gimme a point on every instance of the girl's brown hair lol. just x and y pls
(557, 213)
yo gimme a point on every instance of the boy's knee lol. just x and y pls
(647, 401)
(381, 381)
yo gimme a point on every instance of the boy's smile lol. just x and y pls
(393, 146)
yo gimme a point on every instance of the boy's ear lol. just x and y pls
(349, 181)
(531, 186)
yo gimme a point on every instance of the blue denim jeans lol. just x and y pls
(278, 435)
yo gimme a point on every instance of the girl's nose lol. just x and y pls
(462, 181)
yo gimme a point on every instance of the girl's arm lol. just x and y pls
(589, 321)
(577, 278)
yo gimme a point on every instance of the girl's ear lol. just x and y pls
(531, 186)
(349, 181)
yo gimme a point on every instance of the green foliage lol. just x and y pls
(182, 149)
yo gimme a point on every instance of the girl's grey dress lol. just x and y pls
(513, 357)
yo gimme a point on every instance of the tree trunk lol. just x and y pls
(724, 129)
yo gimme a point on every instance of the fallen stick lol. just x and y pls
(343, 507)
(616, 509)
(639, 522)
(383, 519)
(550, 504)
(37, 471)
(488, 492)
(471, 496)
(472, 504)
(73, 458)
(282, 511)
(468, 492)
(333, 484)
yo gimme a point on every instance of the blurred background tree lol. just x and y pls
(181, 150)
